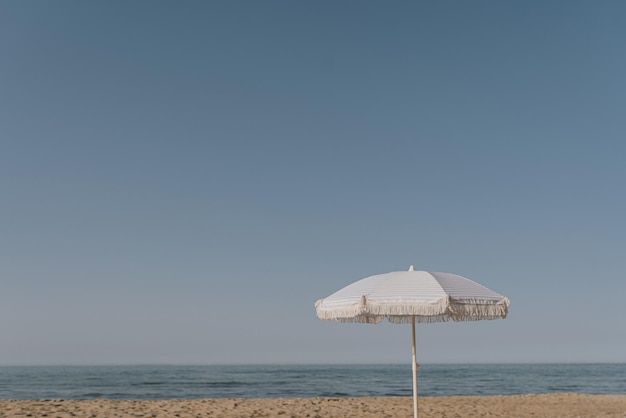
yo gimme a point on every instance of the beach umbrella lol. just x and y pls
(412, 297)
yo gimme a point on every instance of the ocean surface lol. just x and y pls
(186, 382)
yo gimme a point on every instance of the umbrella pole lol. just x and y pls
(414, 367)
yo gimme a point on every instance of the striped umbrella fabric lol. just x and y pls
(404, 296)
(413, 297)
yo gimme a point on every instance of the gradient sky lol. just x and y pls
(181, 181)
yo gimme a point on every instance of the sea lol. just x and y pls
(304, 381)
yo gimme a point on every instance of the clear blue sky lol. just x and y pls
(181, 181)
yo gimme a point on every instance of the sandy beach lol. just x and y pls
(553, 405)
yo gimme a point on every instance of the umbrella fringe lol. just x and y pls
(478, 312)
(397, 313)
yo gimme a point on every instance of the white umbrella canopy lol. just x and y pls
(410, 297)
(404, 296)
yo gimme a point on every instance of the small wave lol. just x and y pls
(564, 388)
(335, 395)
(91, 395)
(148, 383)
(223, 384)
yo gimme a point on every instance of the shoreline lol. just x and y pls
(536, 405)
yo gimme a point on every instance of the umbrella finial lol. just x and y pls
(411, 268)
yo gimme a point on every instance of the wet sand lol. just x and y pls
(553, 405)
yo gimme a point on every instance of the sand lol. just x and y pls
(553, 405)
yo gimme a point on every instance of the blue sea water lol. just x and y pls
(178, 382)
